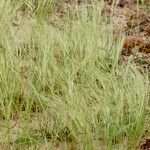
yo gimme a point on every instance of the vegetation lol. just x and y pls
(61, 83)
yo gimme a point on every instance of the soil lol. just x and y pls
(146, 145)
(134, 20)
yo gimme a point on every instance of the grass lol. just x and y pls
(61, 85)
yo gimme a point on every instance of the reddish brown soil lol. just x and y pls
(146, 145)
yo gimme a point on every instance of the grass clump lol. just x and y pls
(64, 84)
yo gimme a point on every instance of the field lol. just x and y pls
(75, 75)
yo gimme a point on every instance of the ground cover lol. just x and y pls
(74, 74)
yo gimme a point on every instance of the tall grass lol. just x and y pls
(62, 86)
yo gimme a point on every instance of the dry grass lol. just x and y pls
(61, 86)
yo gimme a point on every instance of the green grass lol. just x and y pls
(61, 84)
